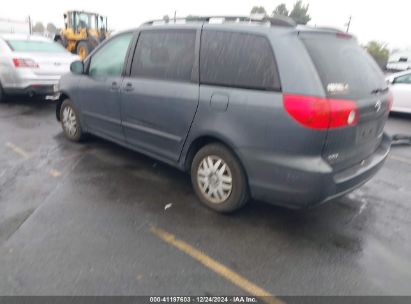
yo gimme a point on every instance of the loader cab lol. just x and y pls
(84, 20)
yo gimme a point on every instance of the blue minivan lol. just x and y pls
(252, 109)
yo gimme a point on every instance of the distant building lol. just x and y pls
(399, 61)
(14, 26)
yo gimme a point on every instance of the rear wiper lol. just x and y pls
(379, 90)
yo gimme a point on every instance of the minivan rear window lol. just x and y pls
(237, 60)
(32, 46)
(346, 70)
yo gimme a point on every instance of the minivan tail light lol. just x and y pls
(343, 35)
(24, 63)
(321, 113)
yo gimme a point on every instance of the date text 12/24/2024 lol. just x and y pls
(204, 299)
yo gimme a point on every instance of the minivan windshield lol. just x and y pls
(345, 69)
(32, 46)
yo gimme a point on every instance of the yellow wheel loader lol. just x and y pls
(82, 32)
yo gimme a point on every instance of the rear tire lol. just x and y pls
(83, 49)
(70, 122)
(218, 179)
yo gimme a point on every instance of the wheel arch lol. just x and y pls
(63, 97)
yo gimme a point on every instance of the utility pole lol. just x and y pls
(30, 28)
(348, 24)
(175, 16)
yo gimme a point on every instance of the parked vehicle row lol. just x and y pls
(292, 116)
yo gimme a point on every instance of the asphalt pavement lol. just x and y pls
(96, 219)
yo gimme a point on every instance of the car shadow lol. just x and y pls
(24, 105)
(336, 225)
(400, 115)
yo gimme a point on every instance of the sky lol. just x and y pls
(381, 20)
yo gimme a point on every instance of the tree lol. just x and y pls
(51, 28)
(299, 13)
(379, 52)
(38, 28)
(258, 10)
(281, 10)
(166, 18)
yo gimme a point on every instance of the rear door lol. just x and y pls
(349, 73)
(160, 97)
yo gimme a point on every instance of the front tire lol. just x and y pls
(218, 179)
(70, 121)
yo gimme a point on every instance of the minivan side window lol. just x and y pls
(165, 55)
(237, 60)
(109, 60)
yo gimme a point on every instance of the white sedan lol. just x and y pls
(31, 65)
(400, 86)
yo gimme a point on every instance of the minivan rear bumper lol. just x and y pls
(300, 182)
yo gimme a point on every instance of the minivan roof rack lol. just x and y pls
(272, 21)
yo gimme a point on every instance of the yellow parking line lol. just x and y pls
(217, 267)
(401, 159)
(17, 150)
(24, 154)
(55, 173)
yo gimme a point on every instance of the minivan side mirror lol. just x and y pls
(77, 67)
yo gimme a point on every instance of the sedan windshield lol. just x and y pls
(35, 46)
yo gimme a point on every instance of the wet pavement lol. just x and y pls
(77, 219)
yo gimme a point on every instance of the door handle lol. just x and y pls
(115, 86)
(128, 87)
